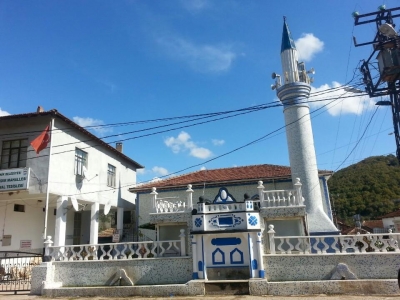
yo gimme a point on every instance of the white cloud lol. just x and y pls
(350, 105)
(141, 171)
(201, 58)
(183, 142)
(195, 6)
(307, 46)
(4, 113)
(200, 152)
(85, 122)
(156, 171)
(160, 171)
(178, 143)
(203, 168)
(218, 142)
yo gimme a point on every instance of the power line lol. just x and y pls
(219, 156)
(236, 149)
(272, 104)
(359, 140)
(229, 152)
(244, 111)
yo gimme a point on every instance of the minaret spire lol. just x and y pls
(289, 58)
(293, 93)
(287, 41)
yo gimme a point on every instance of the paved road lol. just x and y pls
(21, 296)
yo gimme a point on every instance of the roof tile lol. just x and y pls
(215, 176)
(392, 214)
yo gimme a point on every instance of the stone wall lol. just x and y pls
(280, 268)
(151, 271)
(371, 273)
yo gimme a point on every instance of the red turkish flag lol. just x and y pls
(42, 140)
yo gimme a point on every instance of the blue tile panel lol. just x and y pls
(227, 241)
(236, 257)
(218, 257)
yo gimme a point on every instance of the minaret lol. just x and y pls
(293, 92)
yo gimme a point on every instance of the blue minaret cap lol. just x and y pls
(287, 41)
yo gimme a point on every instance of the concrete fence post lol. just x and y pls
(47, 244)
(260, 188)
(271, 236)
(154, 200)
(189, 192)
(299, 196)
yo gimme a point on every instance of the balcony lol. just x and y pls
(271, 204)
(281, 203)
(171, 209)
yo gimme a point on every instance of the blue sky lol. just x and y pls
(106, 62)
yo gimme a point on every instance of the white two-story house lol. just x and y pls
(62, 190)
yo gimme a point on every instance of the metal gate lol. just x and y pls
(16, 270)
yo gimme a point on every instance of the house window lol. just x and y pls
(80, 162)
(19, 207)
(111, 175)
(13, 154)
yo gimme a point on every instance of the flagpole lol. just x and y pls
(48, 181)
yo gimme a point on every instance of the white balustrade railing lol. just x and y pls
(267, 199)
(172, 204)
(116, 251)
(331, 244)
(248, 205)
(280, 198)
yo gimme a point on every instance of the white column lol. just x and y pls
(120, 220)
(94, 223)
(261, 271)
(61, 221)
(182, 237)
(252, 253)
(203, 245)
(195, 274)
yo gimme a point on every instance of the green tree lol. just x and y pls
(370, 188)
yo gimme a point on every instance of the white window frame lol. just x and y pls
(81, 158)
(111, 175)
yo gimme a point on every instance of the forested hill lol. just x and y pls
(370, 188)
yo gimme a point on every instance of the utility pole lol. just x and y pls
(381, 71)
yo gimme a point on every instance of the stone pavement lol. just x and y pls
(22, 296)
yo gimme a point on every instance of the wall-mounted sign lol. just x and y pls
(14, 179)
(6, 240)
(25, 244)
(115, 238)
